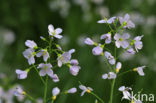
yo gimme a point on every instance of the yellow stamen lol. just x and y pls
(24, 93)
(54, 97)
(135, 69)
(117, 70)
(102, 54)
(132, 101)
(88, 91)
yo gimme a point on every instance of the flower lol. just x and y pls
(140, 70)
(22, 74)
(54, 32)
(19, 91)
(126, 94)
(118, 66)
(45, 69)
(29, 54)
(65, 57)
(109, 21)
(89, 41)
(85, 89)
(130, 51)
(138, 43)
(43, 53)
(121, 40)
(110, 58)
(98, 50)
(126, 22)
(74, 62)
(31, 44)
(72, 90)
(110, 75)
(55, 78)
(107, 37)
(74, 70)
(55, 92)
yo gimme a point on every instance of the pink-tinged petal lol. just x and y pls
(59, 63)
(58, 36)
(42, 72)
(126, 36)
(126, 17)
(89, 41)
(51, 28)
(124, 44)
(58, 31)
(122, 88)
(117, 43)
(101, 21)
(104, 76)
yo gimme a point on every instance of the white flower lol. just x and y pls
(43, 53)
(140, 70)
(54, 32)
(55, 91)
(107, 37)
(21, 74)
(85, 89)
(19, 91)
(31, 44)
(118, 66)
(65, 57)
(45, 69)
(109, 21)
(74, 70)
(98, 50)
(74, 62)
(55, 78)
(126, 22)
(121, 40)
(110, 75)
(110, 58)
(130, 51)
(89, 41)
(29, 54)
(72, 90)
(138, 43)
(125, 91)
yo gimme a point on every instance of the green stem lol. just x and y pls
(108, 64)
(125, 72)
(30, 97)
(45, 90)
(52, 101)
(112, 91)
(39, 76)
(97, 97)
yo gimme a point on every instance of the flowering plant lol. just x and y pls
(117, 36)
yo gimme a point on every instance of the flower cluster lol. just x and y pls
(122, 40)
(117, 36)
(45, 69)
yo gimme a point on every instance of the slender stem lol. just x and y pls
(112, 91)
(52, 101)
(108, 64)
(45, 90)
(97, 97)
(30, 97)
(39, 76)
(125, 72)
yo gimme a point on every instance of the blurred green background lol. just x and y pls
(28, 19)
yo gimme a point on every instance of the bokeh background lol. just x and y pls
(28, 19)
